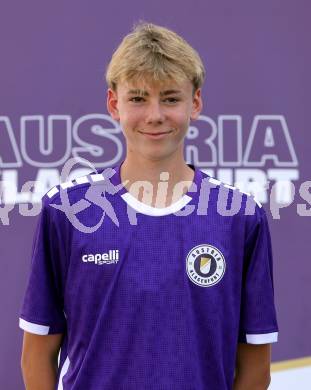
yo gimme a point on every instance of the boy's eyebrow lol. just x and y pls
(170, 92)
(137, 92)
(145, 93)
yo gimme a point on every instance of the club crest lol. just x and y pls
(206, 265)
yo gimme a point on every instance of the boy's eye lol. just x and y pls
(137, 99)
(171, 100)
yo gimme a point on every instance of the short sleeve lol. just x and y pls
(42, 309)
(258, 323)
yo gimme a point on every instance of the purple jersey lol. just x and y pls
(150, 298)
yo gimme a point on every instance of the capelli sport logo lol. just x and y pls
(110, 257)
(205, 265)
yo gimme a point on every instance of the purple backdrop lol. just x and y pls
(256, 97)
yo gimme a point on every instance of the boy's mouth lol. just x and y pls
(156, 135)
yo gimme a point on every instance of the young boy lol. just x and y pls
(161, 295)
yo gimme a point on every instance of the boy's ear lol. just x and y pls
(112, 104)
(197, 104)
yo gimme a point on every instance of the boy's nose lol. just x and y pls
(154, 113)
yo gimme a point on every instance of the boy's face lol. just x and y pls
(154, 117)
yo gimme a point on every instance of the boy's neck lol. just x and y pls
(137, 168)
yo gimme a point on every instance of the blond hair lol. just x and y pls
(155, 53)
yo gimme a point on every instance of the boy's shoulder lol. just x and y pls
(228, 188)
(81, 202)
(230, 201)
(78, 194)
(76, 186)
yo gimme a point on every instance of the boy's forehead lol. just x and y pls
(151, 87)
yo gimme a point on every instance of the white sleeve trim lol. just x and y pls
(33, 328)
(264, 338)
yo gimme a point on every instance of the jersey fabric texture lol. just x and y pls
(150, 298)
